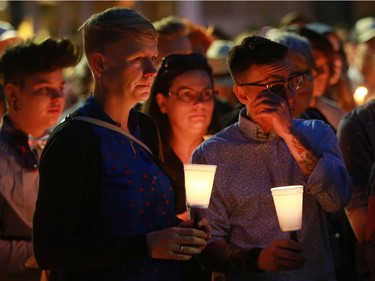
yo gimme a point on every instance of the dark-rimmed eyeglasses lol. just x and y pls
(293, 83)
(190, 95)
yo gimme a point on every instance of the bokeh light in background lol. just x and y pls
(360, 95)
(63, 18)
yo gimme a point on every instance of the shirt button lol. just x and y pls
(155, 178)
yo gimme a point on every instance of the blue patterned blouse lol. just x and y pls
(136, 195)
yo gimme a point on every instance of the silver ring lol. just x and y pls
(181, 249)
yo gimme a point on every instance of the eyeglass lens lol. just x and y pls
(189, 95)
(293, 83)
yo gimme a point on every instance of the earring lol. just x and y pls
(16, 105)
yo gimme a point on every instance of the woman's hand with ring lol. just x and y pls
(176, 243)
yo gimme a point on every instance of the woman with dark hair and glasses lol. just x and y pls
(182, 102)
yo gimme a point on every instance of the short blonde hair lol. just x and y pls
(114, 24)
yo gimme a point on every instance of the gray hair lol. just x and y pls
(295, 43)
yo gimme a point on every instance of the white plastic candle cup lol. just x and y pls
(199, 179)
(288, 203)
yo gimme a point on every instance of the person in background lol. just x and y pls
(173, 37)
(217, 58)
(229, 106)
(78, 87)
(356, 136)
(362, 69)
(302, 59)
(105, 208)
(293, 18)
(199, 36)
(33, 84)
(370, 226)
(324, 56)
(8, 37)
(264, 149)
(339, 231)
(339, 87)
(182, 103)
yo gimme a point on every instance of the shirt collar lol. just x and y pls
(18, 141)
(92, 109)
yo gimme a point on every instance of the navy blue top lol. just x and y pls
(136, 195)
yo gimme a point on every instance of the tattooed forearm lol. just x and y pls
(305, 155)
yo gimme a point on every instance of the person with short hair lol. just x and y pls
(173, 37)
(32, 74)
(105, 208)
(268, 148)
(324, 57)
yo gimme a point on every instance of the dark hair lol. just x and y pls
(173, 66)
(254, 50)
(115, 24)
(30, 57)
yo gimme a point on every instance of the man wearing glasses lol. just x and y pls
(264, 149)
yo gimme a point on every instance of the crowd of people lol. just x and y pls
(94, 138)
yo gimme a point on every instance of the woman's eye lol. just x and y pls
(187, 94)
(42, 91)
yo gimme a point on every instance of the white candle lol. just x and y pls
(288, 203)
(199, 179)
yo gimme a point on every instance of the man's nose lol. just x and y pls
(57, 93)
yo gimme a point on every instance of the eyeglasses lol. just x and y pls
(308, 75)
(176, 60)
(189, 95)
(294, 82)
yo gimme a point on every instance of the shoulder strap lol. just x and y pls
(114, 128)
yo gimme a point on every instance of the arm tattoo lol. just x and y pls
(307, 157)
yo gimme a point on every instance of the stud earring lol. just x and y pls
(16, 105)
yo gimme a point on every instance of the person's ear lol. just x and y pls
(161, 100)
(97, 64)
(240, 93)
(11, 92)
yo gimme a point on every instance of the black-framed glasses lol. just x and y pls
(176, 60)
(308, 74)
(294, 83)
(189, 95)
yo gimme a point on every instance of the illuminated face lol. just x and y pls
(128, 68)
(322, 74)
(39, 102)
(190, 104)
(259, 80)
